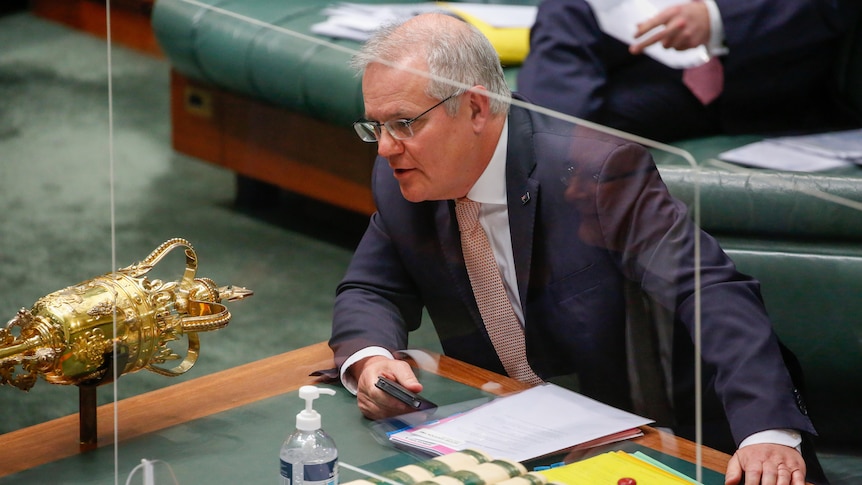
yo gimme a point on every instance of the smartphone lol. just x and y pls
(397, 391)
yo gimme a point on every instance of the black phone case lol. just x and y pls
(411, 399)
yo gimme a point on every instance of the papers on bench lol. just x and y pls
(806, 153)
(358, 21)
(523, 426)
(845, 145)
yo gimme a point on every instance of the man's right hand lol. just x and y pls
(686, 25)
(374, 403)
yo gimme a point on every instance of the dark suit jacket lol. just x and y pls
(779, 74)
(588, 212)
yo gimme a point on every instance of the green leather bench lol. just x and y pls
(276, 104)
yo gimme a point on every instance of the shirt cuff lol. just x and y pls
(347, 379)
(786, 437)
(716, 45)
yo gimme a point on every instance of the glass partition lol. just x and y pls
(57, 184)
(214, 140)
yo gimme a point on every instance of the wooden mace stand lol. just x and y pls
(88, 430)
(88, 433)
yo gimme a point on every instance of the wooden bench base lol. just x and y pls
(273, 145)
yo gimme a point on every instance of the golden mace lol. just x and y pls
(121, 319)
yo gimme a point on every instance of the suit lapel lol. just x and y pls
(522, 193)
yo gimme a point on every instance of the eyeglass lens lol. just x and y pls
(369, 131)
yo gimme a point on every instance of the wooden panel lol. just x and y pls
(196, 119)
(257, 129)
(298, 153)
(289, 150)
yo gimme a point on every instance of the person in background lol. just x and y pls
(775, 71)
(574, 220)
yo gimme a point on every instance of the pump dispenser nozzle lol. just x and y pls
(309, 419)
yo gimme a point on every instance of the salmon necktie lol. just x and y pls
(705, 81)
(502, 325)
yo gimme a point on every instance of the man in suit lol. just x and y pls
(778, 59)
(574, 217)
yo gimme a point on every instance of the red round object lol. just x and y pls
(627, 481)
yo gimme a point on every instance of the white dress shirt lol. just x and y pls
(716, 46)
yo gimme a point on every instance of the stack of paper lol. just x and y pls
(534, 423)
(846, 145)
(806, 153)
(358, 21)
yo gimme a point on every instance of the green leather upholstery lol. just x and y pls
(787, 230)
(776, 205)
(814, 301)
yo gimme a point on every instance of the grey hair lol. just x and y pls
(456, 57)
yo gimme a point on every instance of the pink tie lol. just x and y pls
(705, 81)
(500, 321)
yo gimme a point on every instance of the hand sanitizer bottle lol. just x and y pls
(309, 455)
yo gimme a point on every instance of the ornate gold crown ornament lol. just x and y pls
(68, 336)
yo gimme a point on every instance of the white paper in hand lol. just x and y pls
(619, 19)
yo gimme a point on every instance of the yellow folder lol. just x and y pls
(511, 43)
(612, 466)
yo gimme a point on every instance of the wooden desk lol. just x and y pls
(190, 400)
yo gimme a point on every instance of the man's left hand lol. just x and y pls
(766, 464)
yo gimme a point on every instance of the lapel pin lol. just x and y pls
(525, 198)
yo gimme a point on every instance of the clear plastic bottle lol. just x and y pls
(309, 455)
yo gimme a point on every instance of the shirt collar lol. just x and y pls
(491, 186)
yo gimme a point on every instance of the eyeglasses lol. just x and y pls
(401, 129)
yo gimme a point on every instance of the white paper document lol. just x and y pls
(845, 144)
(533, 423)
(619, 19)
(806, 153)
(358, 21)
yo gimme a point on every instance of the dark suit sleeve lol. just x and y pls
(761, 29)
(655, 239)
(566, 69)
(376, 302)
